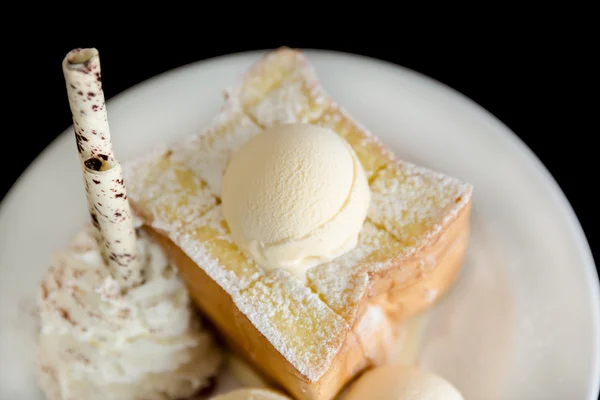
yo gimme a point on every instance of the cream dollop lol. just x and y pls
(396, 382)
(96, 343)
(295, 196)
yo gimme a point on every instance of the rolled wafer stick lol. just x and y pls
(111, 215)
(103, 177)
(81, 68)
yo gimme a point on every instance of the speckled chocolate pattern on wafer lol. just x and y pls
(111, 215)
(103, 177)
(81, 68)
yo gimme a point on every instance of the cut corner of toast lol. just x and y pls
(281, 87)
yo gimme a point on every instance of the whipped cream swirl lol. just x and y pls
(97, 343)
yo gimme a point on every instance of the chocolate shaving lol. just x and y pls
(44, 290)
(93, 163)
(67, 317)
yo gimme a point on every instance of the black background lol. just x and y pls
(525, 82)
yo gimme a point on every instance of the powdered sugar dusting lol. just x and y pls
(208, 153)
(209, 244)
(300, 98)
(264, 75)
(298, 324)
(169, 192)
(413, 203)
(342, 283)
(373, 155)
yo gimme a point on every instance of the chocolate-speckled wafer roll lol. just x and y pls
(105, 189)
(81, 68)
(111, 215)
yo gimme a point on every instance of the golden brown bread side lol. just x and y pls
(399, 292)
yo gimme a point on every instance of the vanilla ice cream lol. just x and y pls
(394, 382)
(251, 394)
(243, 372)
(295, 196)
(97, 343)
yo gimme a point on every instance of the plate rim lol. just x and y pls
(518, 145)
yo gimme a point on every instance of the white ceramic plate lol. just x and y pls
(523, 321)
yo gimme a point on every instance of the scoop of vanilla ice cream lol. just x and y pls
(295, 196)
(97, 343)
(395, 382)
(243, 372)
(251, 394)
